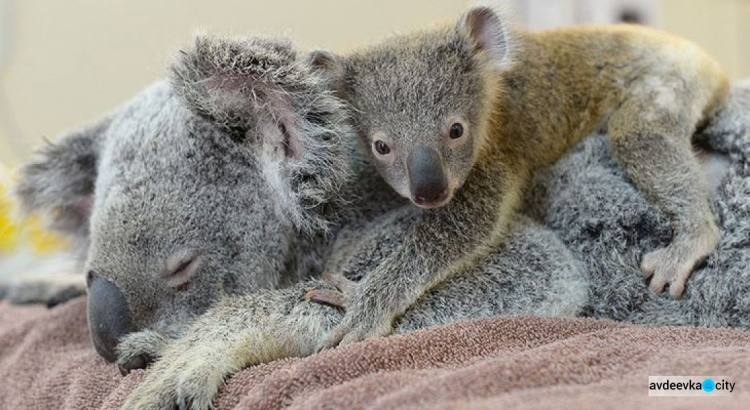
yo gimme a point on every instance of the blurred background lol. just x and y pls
(63, 63)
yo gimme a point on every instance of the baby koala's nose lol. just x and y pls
(427, 180)
(108, 316)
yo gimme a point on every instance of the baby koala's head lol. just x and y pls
(422, 102)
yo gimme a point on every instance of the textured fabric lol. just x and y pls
(46, 362)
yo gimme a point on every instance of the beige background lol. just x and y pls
(67, 61)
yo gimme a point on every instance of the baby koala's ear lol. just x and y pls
(487, 33)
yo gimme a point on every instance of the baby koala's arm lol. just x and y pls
(439, 243)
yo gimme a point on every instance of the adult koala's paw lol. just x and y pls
(185, 381)
(138, 350)
(190, 370)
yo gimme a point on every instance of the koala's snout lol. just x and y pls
(428, 183)
(108, 315)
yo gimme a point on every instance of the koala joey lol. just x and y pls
(457, 118)
(221, 181)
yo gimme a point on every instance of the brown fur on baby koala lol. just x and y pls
(459, 117)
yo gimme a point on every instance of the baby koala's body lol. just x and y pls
(458, 119)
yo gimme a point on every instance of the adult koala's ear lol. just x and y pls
(489, 32)
(271, 99)
(333, 69)
(60, 181)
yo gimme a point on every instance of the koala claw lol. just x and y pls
(675, 264)
(339, 298)
(138, 350)
(138, 362)
(327, 297)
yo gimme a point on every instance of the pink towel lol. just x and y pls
(47, 362)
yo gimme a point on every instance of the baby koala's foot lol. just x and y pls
(675, 264)
(357, 325)
(138, 350)
(339, 298)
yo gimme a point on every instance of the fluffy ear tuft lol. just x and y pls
(488, 33)
(237, 81)
(61, 181)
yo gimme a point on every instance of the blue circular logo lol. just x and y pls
(708, 385)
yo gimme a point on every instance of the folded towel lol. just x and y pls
(46, 362)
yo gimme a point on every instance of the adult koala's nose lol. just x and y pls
(108, 316)
(427, 180)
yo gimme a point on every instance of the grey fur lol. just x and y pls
(602, 220)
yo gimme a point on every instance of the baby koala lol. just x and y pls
(459, 117)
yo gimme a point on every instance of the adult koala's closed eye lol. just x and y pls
(217, 182)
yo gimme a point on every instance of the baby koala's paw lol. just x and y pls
(358, 327)
(138, 350)
(675, 264)
(359, 323)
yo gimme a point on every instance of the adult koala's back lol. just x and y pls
(222, 180)
(597, 212)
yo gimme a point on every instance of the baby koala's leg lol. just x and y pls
(653, 146)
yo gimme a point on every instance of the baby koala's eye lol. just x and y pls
(457, 131)
(381, 147)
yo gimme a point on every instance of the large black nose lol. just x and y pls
(109, 316)
(427, 181)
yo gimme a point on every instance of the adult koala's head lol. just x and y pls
(200, 186)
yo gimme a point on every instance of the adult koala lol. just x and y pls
(222, 181)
